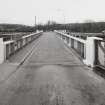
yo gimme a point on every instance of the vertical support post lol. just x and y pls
(96, 52)
(65, 39)
(90, 52)
(84, 50)
(72, 43)
(2, 51)
(69, 42)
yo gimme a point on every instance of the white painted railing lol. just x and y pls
(85, 48)
(100, 53)
(8, 48)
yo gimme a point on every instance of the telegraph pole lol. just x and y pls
(35, 23)
(35, 20)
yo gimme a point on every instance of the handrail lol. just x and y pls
(77, 39)
(8, 48)
(86, 48)
(30, 35)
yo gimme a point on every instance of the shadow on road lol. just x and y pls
(100, 72)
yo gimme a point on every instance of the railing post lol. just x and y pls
(72, 43)
(2, 51)
(96, 52)
(69, 42)
(90, 52)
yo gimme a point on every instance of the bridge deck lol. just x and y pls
(52, 75)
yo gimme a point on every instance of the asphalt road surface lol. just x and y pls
(53, 75)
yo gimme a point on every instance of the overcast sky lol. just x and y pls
(24, 11)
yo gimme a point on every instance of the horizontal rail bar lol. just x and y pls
(77, 39)
(8, 48)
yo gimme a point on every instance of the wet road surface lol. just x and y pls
(53, 75)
